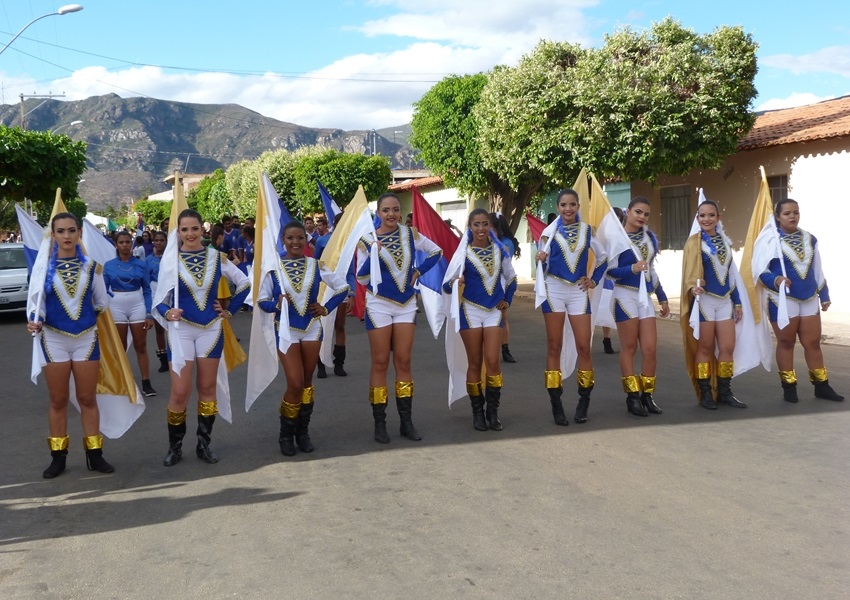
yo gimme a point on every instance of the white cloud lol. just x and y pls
(449, 37)
(833, 59)
(795, 99)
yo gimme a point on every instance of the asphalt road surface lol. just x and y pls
(744, 504)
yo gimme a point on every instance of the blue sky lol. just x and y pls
(359, 64)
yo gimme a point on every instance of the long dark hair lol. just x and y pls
(503, 230)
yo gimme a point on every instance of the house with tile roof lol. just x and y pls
(806, 154)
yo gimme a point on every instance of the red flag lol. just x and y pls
(432, 226)
(535, 225)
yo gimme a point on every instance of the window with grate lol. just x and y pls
(778, 185)
(676, 217)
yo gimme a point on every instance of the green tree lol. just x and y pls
(662, 101)
(153, 211)
(34, 163)
(341, 173)
(445, 132)
(210, 197)
(76, 207)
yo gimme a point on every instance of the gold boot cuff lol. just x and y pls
(584, 378)
(289, 411)
(176, 418)
(494, 381)
(403, 389)
(378, 395)
(473, 389)
(93, 442)
(307, 395)
(553, 379)
(631, 384)
(788, 377)
(647, 383)
(58, 443)
(207, 409)
(725, 369)
(703, 371)
(818, 375)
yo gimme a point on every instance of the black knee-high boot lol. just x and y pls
(176, 432)
(493, 394)
(162, 355)
(94, 454)
(555, 390)
(476, 398)
(724, 386)
(706, 396)
(378, 400)
(339, 360)
(823, 390)
(302, 425)
(206, 419)
(404, 403)
(59, 453)
(585, 386)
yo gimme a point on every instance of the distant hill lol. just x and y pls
(133, 143)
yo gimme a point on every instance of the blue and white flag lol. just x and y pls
(331, 208)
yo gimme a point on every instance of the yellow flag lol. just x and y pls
(58, 205)
(259, 242)
(580, 186)
(179, 204)
(343, 229)
(762, 213)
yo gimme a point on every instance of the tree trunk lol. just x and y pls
(511, 203)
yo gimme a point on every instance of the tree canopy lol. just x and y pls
(34, 163)
(658, 102)
(210, 197)
(341, 173)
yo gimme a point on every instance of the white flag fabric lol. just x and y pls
(36, 241)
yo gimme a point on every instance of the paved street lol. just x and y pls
(689, 504)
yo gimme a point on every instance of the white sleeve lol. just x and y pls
(333, 281)
(98, 290)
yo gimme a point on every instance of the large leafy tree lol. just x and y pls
(446, 134)
(34, 163)
(340, 173)
(662, 101)
(210, 197)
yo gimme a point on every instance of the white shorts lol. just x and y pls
(562, 297)
(197, 342)
(59, 348)
(475, 317)
(313, 333)
(383, 313)
(796, 308)
(627, 305)
(128, 307)
(712, 308)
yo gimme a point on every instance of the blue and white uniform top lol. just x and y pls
(716, 263)
(397, 260)
(569, 253)
(301, 279)
(620, 269)
(802, 266)
(488, 277)
(199, 274)
(129, 276)
(76, 297)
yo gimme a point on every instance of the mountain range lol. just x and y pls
(134, 143)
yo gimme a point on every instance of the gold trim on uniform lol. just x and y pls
(553, 379)
(207, 409)
(473, 389)
(647, 383)
(494, 381)
(818, 375)
(584, 378)
(403, 389)
(378, 395)
(93, 442)
(307, 395)
(725, 369)
(176, 418)
(631, 385)
(58, 443)
(289, 411)
(789, 377)
(703, 370)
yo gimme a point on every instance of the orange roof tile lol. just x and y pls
(827, 119)
(419, 182)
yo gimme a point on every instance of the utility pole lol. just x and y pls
(23, 96)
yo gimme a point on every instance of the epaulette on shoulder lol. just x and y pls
(98, 268)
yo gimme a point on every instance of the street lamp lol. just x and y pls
(63, 10)
(71, 124)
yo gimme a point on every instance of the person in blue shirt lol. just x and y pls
(66, 317)
(391, 310)
(569, 280)
(200, 334)
(128, 283)
(636, 322)
(160, 240)
(488, 283)
(806, 289)
(500, 226)
(300, 287)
